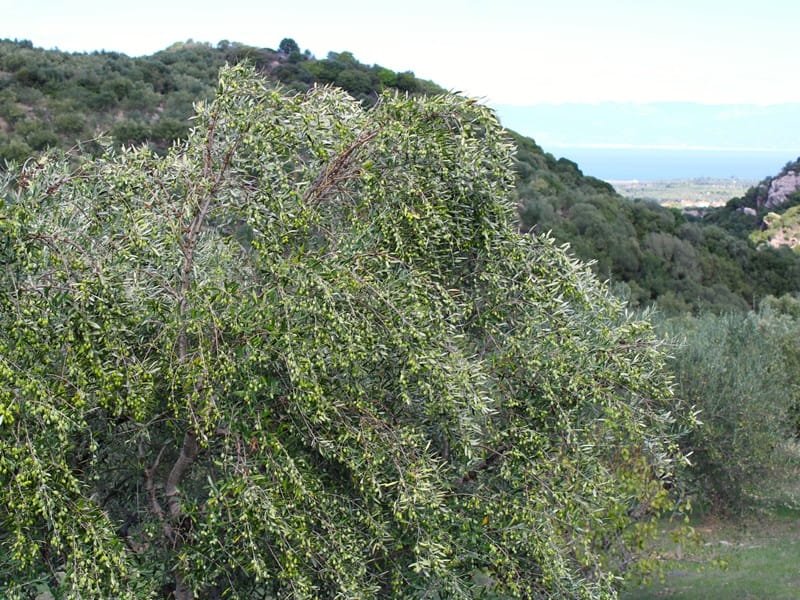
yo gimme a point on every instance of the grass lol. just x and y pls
(755, 557)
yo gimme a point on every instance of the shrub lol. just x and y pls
(732, 369)
(306, 354)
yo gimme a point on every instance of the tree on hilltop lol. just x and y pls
(288, 47)
(307, 355)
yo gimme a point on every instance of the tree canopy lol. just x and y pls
(307, 354)
(654, 254)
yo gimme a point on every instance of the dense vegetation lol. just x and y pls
(309, 325)
(751, 215)
(50, 98)
(308, 354)
(653, 253)
(741, 374)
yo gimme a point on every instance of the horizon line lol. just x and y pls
(717, 103)
(667, 147)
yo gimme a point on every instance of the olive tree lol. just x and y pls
(740, 372)
(307, 354)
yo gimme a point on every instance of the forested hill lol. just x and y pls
(50, 98)
(769, 213)
(653, 253)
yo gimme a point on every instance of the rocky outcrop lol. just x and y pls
(780, 229)
(780, 188)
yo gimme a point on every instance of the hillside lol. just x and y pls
(768, 212)
(780, 230)
(650, 253)
(51, 98)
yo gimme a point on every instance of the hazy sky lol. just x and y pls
(505, 51)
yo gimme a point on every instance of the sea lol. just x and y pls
(617, 164)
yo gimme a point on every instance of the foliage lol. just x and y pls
(653, 254)
(737, 371)
(306, 355)
(783, 316)
(780, 229)
(288, 47)
(54, 99)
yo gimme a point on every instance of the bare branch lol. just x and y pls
(188, 453)
(483, 465)
(150, 487)
(338, 170)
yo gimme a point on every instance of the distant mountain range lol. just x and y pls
(619, 141)
(659, 126)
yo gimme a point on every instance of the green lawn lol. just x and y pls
(760, 561)
(757, 557)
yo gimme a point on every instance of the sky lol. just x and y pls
(506, 52)
(534, 61)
